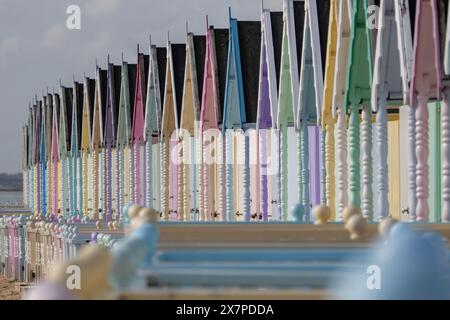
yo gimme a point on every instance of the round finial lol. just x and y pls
(350, 211)
(116, 225)
(357, 226)
(385, 226)
(98, 224)
(322, 214)
(148, 215)
(133, 211)
(298, 212)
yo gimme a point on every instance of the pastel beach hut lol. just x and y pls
(64, 140)
(25, 166)
(173, 93)
(55, 159)
(44, 153)
(85, 145)
(48, 130)
(328, 121)
(358, 98)
(110, 145)
(98, 165)
(343, 30)
(212, 189)
(426, 84)
(188, 169)
(310, 142)
(37, 157)
(389, 91)
(290, 66)
(152, 125)
(444, 10)
(76, 174)
(271, 38)
(137, 129)
(30, 159)
(239, 113)
(124, 121)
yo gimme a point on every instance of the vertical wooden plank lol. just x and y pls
(434, 161)
(394, 168)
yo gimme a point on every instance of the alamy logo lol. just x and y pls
(73, 21)
(372, 17)
(374, 279)
(73, 281)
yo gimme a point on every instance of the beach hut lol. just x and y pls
(338, 110)
(173, 93)
(37, 157)
(444, 10)
(55, 160)
(99, 112)
(426, 84)
(188, 177)
(76, 171)
(293, 29)
(327, 120)
(64, 139)
(271, 38)
(137, 129)
(309, 110)
(111, 168)
(401, 206)
(240, 109)
(358, 98)
(30, 159)
(25, 165)
(124, 160)
(86, 155)
(388, 93)
(48, 127)
(152, 125)
(212, 189)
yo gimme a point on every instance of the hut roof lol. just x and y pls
(249, 33)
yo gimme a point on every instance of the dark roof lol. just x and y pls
(113, 100)
(56, 107)
(146, 66)
(179, 65)
(103, 94)
(323, 15)
(91, 99)
(78, 108)
(117, 82)
(443, 10)
(146, 60)
(161, 56)
(37, 132)
(412, 15)
(299, 17)
(132, 71)
(68, 105)
(249, 46)
(277, 38)
(221, 37)
(200, 50)
(48, 125)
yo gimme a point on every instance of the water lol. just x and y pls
(11, 198)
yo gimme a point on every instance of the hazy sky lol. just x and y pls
(36, 48)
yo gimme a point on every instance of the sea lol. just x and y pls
(11, 198)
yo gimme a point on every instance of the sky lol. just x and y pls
(37, 49)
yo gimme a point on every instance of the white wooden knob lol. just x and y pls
(322, 214)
